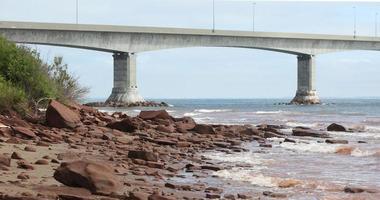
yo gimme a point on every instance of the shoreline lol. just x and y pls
(163, 148)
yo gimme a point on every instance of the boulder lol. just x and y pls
(334, 141)
(125, 125)
(5, 160)
(185, 124)
(204, 129)
(143, 155)
(309, 133)
(336, 127)
(24, 132)
(97, 177)
(154, 114)
(60, 116)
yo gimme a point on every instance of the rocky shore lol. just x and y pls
(125, 105)
(76, 152)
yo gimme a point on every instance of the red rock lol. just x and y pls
(164, 142)
(5, 160)
(30, 149)
(332, 141)
(212, 196)
(309, 132)
(183, 144)
(204, 129)
(158, 114)
(336, 127)
(60, 116)
(16, 156)
(166, 129)
(24, 132)
(94, 176)
(155, 165)
(211, 167)
(185, 123)
(138, 196)
(23, 176)
(41, 162)
(143, 155)
(22, 164)
(125, 125)
(158, 197)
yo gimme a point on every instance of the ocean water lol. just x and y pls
(322, 170)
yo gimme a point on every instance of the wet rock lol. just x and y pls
(351, 189)
(60, 116)
(229, 196)
(5, 160)
(24, 132)
(333, 141)
(266, 145)
(143, 155)
(211, 167)
(94, 176)
(346, 150)
(309, 133)
(288, 183)
(204, 129)
(336, 127)
(126, 125)
(289, 140)
(274, 194)
(151, 115)
(222, 144)
(244, 196)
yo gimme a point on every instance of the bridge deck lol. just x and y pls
(179, 31)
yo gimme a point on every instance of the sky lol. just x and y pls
(215, 72)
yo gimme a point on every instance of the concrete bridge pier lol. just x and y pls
(306, 93)
(124, 80)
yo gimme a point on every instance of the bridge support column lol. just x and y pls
(306, 93)
(124, 80)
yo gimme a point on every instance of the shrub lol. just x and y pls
(26, 79)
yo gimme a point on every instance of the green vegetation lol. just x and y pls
(25, 78)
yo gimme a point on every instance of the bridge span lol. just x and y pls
(126, 41)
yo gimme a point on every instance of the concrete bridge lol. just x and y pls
(125, 42)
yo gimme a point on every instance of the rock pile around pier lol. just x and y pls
(77, 152)
(120, 104)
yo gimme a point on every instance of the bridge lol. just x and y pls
(126, 41)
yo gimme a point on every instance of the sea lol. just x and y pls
(319, 170)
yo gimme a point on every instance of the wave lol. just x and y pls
(191, 114)
(238, 174)
(268, 112)
(296, 124)
(246, 157)
(212, 110)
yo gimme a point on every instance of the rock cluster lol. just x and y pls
(81, 153)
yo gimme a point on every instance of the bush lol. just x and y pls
(25, 78)
(10, 96)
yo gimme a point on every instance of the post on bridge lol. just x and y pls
(125, 89)
(306, 92)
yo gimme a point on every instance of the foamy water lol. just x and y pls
(322, 169)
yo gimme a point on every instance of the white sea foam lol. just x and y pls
(238, 174)
(191, 114)
(311, 146)
(268, 112)
(245, 157)
(355, 134)
(295, 124)
(211, 110)
(136, 110)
